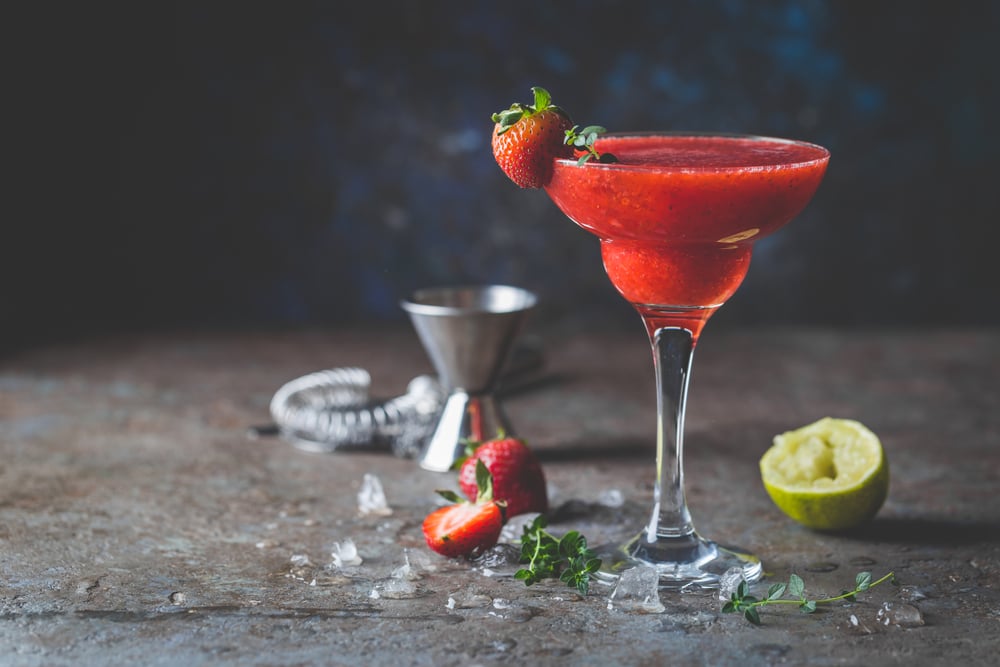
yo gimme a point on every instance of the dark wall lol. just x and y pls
(294, 164)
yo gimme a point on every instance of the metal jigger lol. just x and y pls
(467, 333)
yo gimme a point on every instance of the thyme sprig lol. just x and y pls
(567, 558)
(741, 602)
(583, 139)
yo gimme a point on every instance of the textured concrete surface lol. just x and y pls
(140, 525)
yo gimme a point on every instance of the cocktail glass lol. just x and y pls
(677, 217)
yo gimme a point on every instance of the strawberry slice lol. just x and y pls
(527, 138)
(517, 475)
(466, 528)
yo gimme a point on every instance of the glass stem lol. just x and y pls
(673, 351)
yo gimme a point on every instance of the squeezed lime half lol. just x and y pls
(830, 475)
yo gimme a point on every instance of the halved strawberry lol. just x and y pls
(526, 139)
(517, 475)
(466, 528)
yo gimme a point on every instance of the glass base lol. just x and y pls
(686, 562)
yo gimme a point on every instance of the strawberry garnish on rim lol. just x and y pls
(527, 138)
(465, 528)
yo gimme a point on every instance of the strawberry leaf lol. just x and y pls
(450, 496)
(484, 482)
(542, 99)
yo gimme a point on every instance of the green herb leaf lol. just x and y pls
(584, 140)
(450, 496)
(547, 557)
(741, 600)
(542, 98)
(775, 591)
(796, 586)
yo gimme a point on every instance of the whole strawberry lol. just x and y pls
(526, 139)
(517, 475)
(465, 528)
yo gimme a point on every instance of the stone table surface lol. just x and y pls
(139, 524)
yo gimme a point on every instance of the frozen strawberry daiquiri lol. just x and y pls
(677, 216)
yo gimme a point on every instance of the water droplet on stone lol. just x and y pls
(398, 589)
(858, 626)
(899, 614)
(470, 600)
(299, 560)
(177, 598)
(521, 614)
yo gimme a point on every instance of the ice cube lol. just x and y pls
(405, 571)
(611, 498)
(300, 560)
(500, 559)
(729, 582)
(514, 528)
(637, 590)
(345, 554)
(371, 497)
(900, 615)
(421, 561)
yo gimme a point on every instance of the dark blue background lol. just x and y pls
(299, 164)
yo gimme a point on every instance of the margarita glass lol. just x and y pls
(677, 217)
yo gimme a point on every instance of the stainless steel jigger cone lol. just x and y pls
(467, 333)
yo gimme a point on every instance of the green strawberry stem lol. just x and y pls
(510, 117)
(581, 140)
